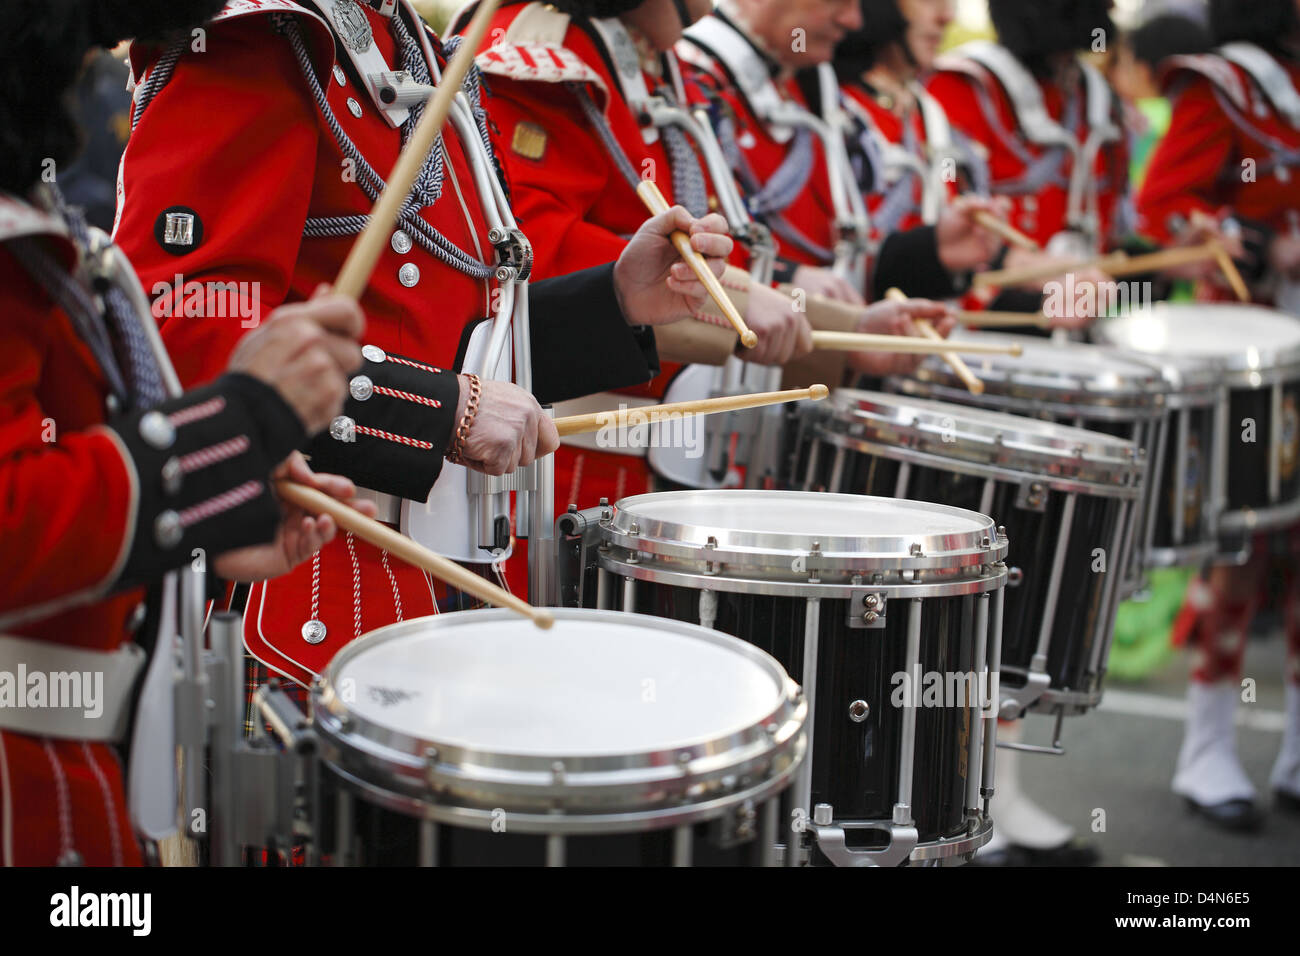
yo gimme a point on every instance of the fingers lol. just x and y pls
(710, 237)
(803, 337)
(548, 439)
(924, 309)
(333, 313)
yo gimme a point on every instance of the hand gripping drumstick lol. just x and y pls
(1004, 230)
(845, 314)
(1229, 270)
(618, 418)
(384, 537)
(655, 202)
(962, 370)
(361, 261)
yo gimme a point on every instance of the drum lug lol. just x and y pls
(733, 829)
(833, 845)
(866, 610)
(1016, 700)
(1032, 496)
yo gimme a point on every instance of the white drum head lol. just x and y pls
(783, 513)
(1067, 379)
(1240, 337)
(594, 686)
(606, 721)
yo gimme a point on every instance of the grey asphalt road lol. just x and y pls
(1120, 759)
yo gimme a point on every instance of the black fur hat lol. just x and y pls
(1034, 30)
(43, 44)
(116, 20)
(1265, 22)
(596, 9)
(882, 24)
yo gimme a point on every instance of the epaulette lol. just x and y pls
(532, 50)
(19, 219)
(1221, 74)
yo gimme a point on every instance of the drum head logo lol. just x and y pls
(1288, 449)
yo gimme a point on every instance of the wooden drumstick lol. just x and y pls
(618, 418)
(1229, 270)
(960, 368)
(1049, 270)
(385, 538)
(1117, 265)
(994, 320)
(360, 264)
(908, 344)
(1009, 233)
(655, 202)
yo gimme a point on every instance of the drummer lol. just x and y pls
(910, 163)
(1229, 116)
(1071, 204)
(111, 481)
(254, 164)
(575, 141)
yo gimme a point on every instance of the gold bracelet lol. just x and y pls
(457, 450)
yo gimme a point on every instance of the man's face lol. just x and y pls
(927, 22)
(802, 33)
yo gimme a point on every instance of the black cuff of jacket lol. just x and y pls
(909, 261)
(1256, 237)
(395, 428)
(202, 464)
(783, 271)
(581, 341)
(1020, 300)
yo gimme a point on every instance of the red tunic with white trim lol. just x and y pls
(810, 213)
(567, 187)
(1211, 162)
(261, 144)
(87, 523)
(894, 129)
(978, 105)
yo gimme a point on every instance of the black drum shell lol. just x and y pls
(1033, 537)
(1196, 472)
(387, 838)
(855, 765)
(1249, 462)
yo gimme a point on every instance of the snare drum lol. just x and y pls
(1070, 383)
(1065, 497)
(864, 600)
(1257, 352)
(608, 739)
(1186, 493)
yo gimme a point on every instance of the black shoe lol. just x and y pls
(1287, 802)
(1239, 816)
(1074, 853)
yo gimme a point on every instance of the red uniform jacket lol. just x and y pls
(811, 212)
(237, 138)
(894, 129)
(1228, 148)
(85, 498)
(567, 187)
(978, 105)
